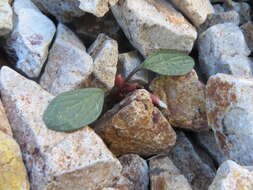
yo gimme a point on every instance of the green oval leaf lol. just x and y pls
(169, 62)
(74, 109)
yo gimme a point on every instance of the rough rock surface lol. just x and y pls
(230, 114)
(195, 10)
(232, 176)
(152, 25)
(136, 126)
(55, 160)
(4, 123)
(104, 52)
(164, 175)
(5, 17)
(185, 98)
(190, 163)
(68, 65)
(135, 173)
(223, 49)
(30, 38)
(247, 29)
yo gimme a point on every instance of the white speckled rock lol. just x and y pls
(230, 114)
(30, 39)
(223, 49)
(195, 10)
(5, 17)
(104, 52)
(231, 176)
(152, 25)
(164, 175)
(68, 65)
(55, 160)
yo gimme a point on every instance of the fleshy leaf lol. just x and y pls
(74, 109)
(169, 62)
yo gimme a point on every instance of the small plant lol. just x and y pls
(78, 108)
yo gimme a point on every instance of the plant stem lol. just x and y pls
(138, 68)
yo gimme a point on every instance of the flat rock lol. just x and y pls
(55, 160)
(5, 17)
(151, 25)
(68, 65)
(136, 126)
(185, 98)
(104, 52)
(230, 176)
(195, 10)
(247, 29)
(164, 175)
(223, 49)
(230, 114)
(193, 166)
(30, 38)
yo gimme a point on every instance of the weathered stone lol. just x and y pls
(135, 173)
(136, 126)
(5, 17)
(230, 114)
(30, 39)
(185, 98)
(223, 49)
(127, 63)
(218, 8)
(4, 123)
(55, 160)
(232, 176)
(190, 164)
(104, 52)
(164, 175)
(68, 66)
(152, 25)
(12, 170)
(195, 10)
(247, 29)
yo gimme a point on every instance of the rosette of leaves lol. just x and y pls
(75, 109)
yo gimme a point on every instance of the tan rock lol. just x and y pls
(13, 174)
(230, 114)
(136, 126)
(231, 176)
(5, 17)
(55, 160)
(195, 10)
(104, 52)
(185, 98)
(4, 123)
(164, 175)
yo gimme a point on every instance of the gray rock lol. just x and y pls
(30, 38)
(247, 29)
(68, 65)
(150, 25)
(5, 17)
(218, 8)
(222, 48)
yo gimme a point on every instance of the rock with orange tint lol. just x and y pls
(4, 123)
(230, 114)
(231, 176)
(136, 126)
(185, 98)
(151, 25)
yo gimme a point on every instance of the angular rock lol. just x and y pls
(13, 174)
(68, 65)
(247, 29)
(230, 114)
(104, 52)
(5, 17)
(151, 25)
(135, 173)
(223, 49)
(55, 160)
(136, 126)
(30, 38)
(185, 98)
(195, 10)
(127, 63)
(164, 175)
(232, 176)
(4, 123)
(197, 171)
